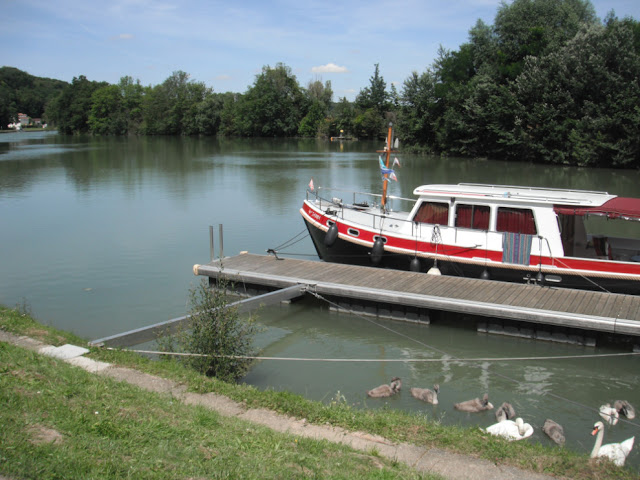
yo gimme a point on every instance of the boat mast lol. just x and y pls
(387, 151)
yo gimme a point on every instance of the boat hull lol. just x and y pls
(349, 252)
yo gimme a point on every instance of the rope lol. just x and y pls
(390, 360)
(291, 241)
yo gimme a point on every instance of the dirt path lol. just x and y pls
(449, 465)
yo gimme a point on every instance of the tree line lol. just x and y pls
(547, 82)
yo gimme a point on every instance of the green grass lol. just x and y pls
(121, 429)
(62, 422)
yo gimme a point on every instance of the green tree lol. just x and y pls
(535, 28)
(107, 115)
(580, 105)
(319, 102)
(417, 106)
(272, 107)
(69, 111)
(375, 95)
(171, 107)
(343, 118)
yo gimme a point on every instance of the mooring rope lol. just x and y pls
(384, 360)
(291, 241)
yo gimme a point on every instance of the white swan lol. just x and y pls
(511, 430)
(426, 395)
(609, 414)
(616, 452)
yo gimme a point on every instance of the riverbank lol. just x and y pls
(159, 417)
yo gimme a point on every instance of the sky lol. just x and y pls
(225, 44)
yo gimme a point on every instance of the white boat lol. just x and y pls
(561, 237)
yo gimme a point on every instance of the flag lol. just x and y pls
(392, 176)
(311, 185)
(396, 161)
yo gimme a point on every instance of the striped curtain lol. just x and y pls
(516, 248)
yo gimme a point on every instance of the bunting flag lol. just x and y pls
(396, 161)
(387, 171)
(311, 184)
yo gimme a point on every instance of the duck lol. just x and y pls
(616, 452)
(505, 412)
(426, 395)
(475, 405)
(625, 408)
(511, 430)
(609, 414)
(554, 431)
(386, 390)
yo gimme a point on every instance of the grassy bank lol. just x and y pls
(59, 421)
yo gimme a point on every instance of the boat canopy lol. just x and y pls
(618, 207)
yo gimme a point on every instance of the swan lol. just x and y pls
(426, 395)
(609, 414)
(511, 430)
(475, 405)
(386, 390)
(554, 431)
(505, 412)
(625, 408)
(616, 452)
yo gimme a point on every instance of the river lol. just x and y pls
(99, 236)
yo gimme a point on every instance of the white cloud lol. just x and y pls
(329, 68)
(123, 36)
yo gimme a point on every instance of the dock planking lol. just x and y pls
(590, 310)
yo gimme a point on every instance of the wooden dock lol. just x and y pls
(534, 304)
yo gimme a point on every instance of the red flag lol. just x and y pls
(311, 185)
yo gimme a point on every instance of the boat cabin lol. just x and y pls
(566, 223)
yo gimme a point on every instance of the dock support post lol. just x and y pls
(211, 250)
(221, 244)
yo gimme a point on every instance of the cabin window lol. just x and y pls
(433, 212)
(353, 232)
(516, 220)
(473, 216)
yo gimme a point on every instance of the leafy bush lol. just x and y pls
(222, 338)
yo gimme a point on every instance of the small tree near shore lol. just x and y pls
(216, 331)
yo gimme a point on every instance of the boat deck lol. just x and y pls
(587, 310)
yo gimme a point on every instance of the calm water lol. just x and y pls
(98, 236)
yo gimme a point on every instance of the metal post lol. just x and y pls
(211, 250)
(221, 244)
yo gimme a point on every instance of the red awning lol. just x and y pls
(615, 208)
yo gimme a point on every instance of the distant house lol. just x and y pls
(23, 119)
(36, 122)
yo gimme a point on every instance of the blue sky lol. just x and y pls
(226, 43)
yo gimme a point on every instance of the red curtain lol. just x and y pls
(516, 220)
(472, 216)
(433, 213)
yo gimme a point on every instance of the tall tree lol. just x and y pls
(535, 28)
(272, 107)
(69, 111)
(580, 105)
